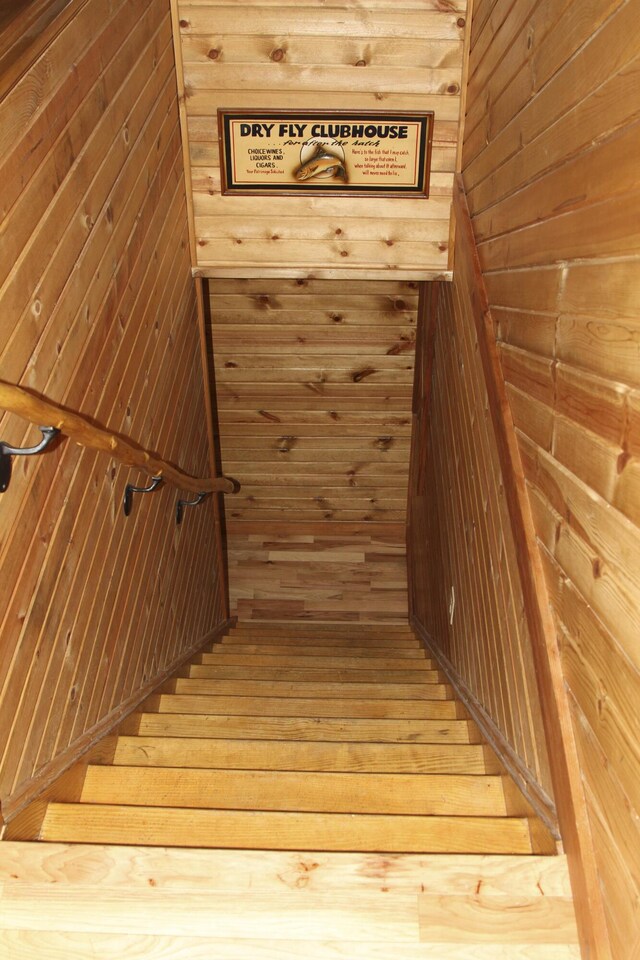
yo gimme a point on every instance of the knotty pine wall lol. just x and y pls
(550, 166)
(314, 382)
(98, 313)
(387, 55)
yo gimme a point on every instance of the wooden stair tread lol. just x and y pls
(449, 731)
(234, 659)
(317, 645)
(323, 628)
(353, 793)
(255, 705)
(325, 638)
(388, 731)
(162, 826)
(262, 871)
(303, 674)
(75, 902)
(322, 690)
(304, 650)
(171, 750)
(285, 737)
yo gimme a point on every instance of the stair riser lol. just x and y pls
(161, 826)
(325, 690)
(233, 659)
(294, 674)
(311, 707)
(308, 756)
(369, 793)
(306, 650)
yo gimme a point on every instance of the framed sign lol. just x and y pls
(294, 152)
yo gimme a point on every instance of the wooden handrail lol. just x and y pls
(85, 433)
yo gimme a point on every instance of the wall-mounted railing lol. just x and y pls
(86, 433)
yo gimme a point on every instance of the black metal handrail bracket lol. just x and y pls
(181, 504)
(7, 452)
(130, 489)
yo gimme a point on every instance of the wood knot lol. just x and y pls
(623, 460)
(184, 24)
(360, 375)
(337, 317)
(344, 253)
(361, 63)
(231, 364)
(269, 416)
(213, 53)
(596, 568)
(277, 55)
(453, 88)
(461, 22)
(286, 444)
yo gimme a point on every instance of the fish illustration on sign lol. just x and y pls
(319, 162)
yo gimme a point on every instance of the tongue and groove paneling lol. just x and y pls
(99, 314)
(550, 166)
(389, 55)
(314, 384)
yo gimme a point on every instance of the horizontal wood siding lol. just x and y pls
(99, 315)
(391, 55)
(314, 404)
(550, 166)
(318, 571)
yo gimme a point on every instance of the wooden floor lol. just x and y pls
(310, 791)
(65, 902)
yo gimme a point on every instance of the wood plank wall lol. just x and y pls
(385, 55)
(314, 404)
(466, 591)
(99, 314)
(550, 166)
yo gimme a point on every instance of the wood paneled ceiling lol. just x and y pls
(383, 55)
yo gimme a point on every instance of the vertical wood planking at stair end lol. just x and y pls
(314, 382)
(99, 314)
(550, 169)
(465, 587)
(389, 56)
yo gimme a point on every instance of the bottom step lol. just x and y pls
(99, 902)
(169, 826)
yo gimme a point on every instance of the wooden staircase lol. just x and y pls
(286, 750)
(330, 739)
